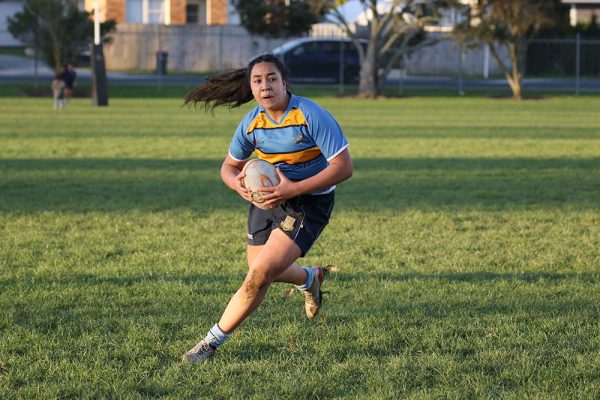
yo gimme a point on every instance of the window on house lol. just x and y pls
(156, 12)
(133, 11)
(145, 11)
(196, 12)
(191, 13)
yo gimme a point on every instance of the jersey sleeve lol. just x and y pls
(325, 131)
(241, 147)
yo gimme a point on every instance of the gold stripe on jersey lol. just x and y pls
(290, 158)
(293, 118)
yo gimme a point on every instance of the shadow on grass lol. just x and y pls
(37, 185)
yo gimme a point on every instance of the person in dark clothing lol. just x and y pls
(69, 76)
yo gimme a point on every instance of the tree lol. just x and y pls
(395, 29)
(56, 27)
(278, 18)
(509, 24)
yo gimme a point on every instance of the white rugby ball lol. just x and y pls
(259, 174)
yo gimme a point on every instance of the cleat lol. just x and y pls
(313, 296)
(199, 353)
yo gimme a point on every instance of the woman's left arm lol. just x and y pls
(339, 169)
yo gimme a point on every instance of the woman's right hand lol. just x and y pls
(239, 187)
(232, 175)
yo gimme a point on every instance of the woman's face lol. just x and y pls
(268, 87)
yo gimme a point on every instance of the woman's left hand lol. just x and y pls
(286, 189)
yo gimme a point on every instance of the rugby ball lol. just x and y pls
(259, 174)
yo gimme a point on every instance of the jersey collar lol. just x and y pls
(293, 103)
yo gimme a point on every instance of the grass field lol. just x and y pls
(467, 244)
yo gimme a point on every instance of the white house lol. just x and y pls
(583, 10)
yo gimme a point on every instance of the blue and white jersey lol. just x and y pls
(301, 145)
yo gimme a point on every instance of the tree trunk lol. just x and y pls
(513, 76)
(515, 86)
(515, 79)
(367, 86)
(56, 50)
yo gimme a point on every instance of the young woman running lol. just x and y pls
(310, 151)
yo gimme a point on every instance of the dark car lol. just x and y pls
(321, 60)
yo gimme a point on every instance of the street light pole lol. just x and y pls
(96, 22)
(99, 84)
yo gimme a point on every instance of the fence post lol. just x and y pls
(35, 52)
(35, 66)
(402, 76)
(342, 67)
(461, 91)
(577, 63)
(486, 61)
(159, 69)
(220, 55)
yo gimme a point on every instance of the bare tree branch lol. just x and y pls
(393, 31)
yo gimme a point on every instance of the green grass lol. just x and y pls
(13, 51)
(467, 241)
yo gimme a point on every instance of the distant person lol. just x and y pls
(308, 147)
(69, 77)
(58, 91)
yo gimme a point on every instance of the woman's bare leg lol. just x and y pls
(294, 274)
(274, 258)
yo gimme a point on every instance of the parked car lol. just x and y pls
(321, 60)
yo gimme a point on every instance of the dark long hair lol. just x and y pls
(231, 87)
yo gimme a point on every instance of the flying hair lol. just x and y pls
(232, 87)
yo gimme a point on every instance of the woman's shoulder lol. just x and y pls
(310, 107)
(306, 104)
(252, 113)
(250, 116)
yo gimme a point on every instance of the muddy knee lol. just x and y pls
(255, 281)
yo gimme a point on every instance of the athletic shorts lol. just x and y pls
(301, 218)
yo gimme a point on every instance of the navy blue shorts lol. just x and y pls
(302, 219)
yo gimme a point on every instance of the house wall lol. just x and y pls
(115, 9)
(189, 47)
(217, 12)
(446, 58)
(584, 15)
(109, 9)
(210, 48)
(178, 12)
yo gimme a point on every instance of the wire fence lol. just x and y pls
(568, 65)
(574, 61)
(564, 58)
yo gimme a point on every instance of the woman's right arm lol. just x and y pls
(232, 176)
